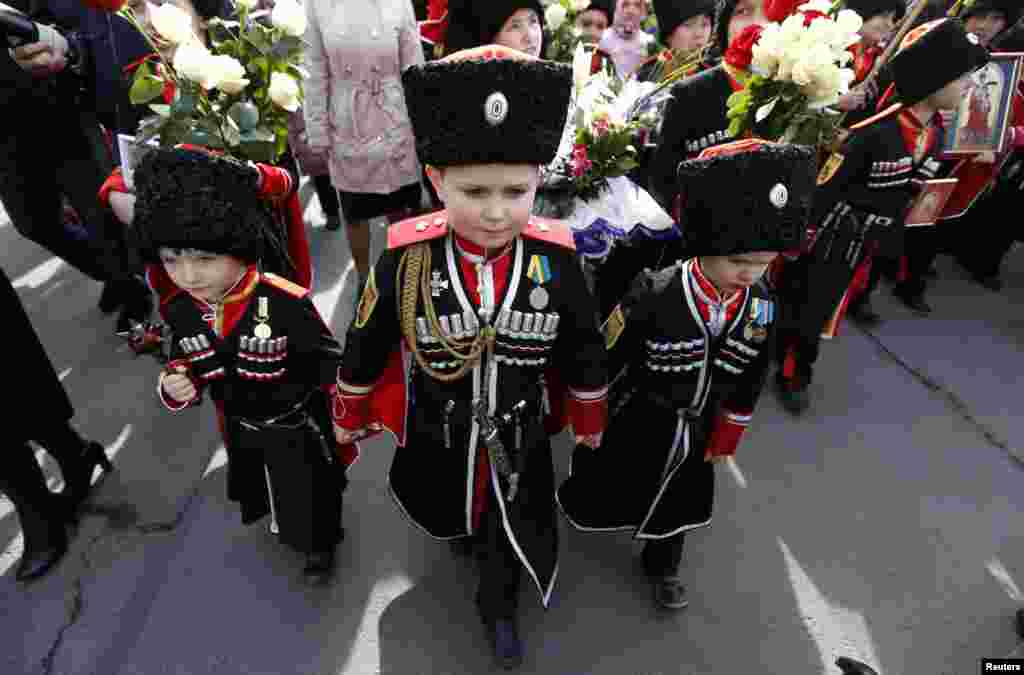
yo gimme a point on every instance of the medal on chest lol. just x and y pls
(539, 272)
(760, 315)
(262, 329)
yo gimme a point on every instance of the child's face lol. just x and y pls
(629, 14)
(207, 276)
(592, 23)
(691, 35)
(521, 31)
(878, 28)
(747, 13)
(986, 25)
(731, 273)
(488, 204)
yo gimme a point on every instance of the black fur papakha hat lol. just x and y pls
(933, 55)
(487, 105)
(869, 8)
(190, 199)
(1011, 9)
(474, 23)
(747, 196)
(672, 13)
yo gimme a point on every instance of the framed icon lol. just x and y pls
(982, 120)
(929, 204)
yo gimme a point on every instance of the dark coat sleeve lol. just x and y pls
(368, 346)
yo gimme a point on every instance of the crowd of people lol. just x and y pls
(480, 332)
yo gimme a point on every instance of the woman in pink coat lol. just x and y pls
(355, 110)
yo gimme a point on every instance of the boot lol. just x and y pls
(319, 568)
(333, 222)
(137, 308)
(852, 667)
(793, 394)
(864, 314)
(503, 634)
(915, 301)
(110, 298)
(669, 592)
(40, 512)
(78, 459)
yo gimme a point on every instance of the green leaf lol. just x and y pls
(287, 47)
(145, 89)
(184, 105)
(161, 109)
(258, 151)
(260, 134)
(259, 40)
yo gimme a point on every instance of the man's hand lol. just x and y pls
(47, 57)
(178, 387)
(345, 436)
(592, 441)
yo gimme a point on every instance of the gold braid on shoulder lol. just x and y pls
(412, 278)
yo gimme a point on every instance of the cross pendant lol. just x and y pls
(437, 285)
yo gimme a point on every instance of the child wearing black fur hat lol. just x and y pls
(684, 27)
(493, 315)
(865, 191)
(253, 340)
(593, 21)
(689, 347)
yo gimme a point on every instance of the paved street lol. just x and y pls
(888, 525)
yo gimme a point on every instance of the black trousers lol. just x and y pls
(662, 557)
(327, 195)
(982, 237)
(922, 246)
(499, 568)
(21, 479)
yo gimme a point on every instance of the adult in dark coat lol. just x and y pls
(66, 153)
(42, 514)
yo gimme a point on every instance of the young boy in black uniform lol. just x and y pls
(865, 190)
(253, 340)
(688, 348)
(468, 323)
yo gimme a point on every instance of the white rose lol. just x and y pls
(580, 68)
(289, 16)
(284, 91)
(192, 61)
(231, 74)
(579, 5)
(172, 23)
(823, 6)
(248, 4)
(554, 16)
(849, 21)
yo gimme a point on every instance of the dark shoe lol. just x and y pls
(78, 478)
(915, 301)
(864, 314)
(793, 396)
(669, 593)
(319, 568)
(36, 563)
(110, 298)
(333, 222)
(1020, 623)
(852, 667)
(138, 306)
(504, 637)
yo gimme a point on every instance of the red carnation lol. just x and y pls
(811, 15)
(105, 5)
(776, 11)
(741, 50)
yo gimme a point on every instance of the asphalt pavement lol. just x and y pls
(886, 524)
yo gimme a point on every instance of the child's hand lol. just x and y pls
(178, 387)
(592, 441)
(344, 436)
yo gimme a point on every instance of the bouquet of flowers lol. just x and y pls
(608, 119)
(235, 96)
(563, 36)
(792, 72)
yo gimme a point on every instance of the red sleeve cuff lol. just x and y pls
(726, 434)
(588, 411)
(352, 406)
(1016, 137)
(275, 184)
(114, 183)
